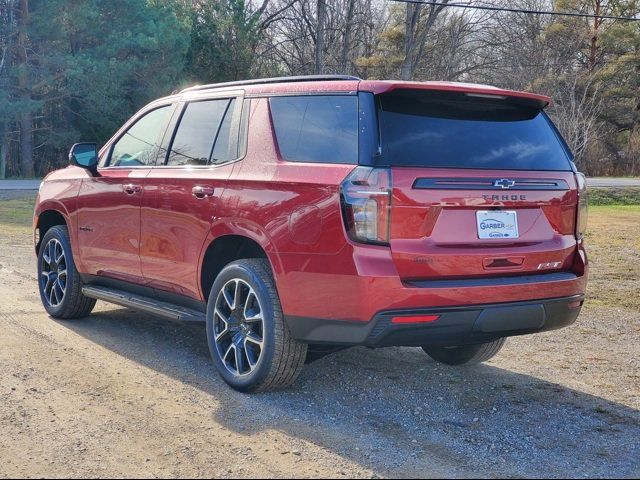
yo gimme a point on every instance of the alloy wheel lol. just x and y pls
(53, 273)
(238, 327)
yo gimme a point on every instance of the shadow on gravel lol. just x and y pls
(396, 411)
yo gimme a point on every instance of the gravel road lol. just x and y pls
(125, 394)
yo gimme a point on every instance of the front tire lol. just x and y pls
(249, 341)
(465, 354)
(58, 279)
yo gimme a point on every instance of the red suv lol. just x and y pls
(299, 216)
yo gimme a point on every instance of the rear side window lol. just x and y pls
(203, 135)
(314, 128)
(456, 131)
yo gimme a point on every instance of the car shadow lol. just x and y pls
(395, 411)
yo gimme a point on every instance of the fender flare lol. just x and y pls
(52, 205)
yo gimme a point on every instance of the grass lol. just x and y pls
(613, 245)
(16, 215)
(614, 196)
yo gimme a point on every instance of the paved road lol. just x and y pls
(597, 182)
(19, 184)
(601, 182)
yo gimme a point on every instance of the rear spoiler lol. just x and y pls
(469, 89)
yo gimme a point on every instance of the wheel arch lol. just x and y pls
(44, 221)
(229, 242)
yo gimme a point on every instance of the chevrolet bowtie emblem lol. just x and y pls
(504, 183)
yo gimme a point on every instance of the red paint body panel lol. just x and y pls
(109, 223)
(158, 236)
(175, 225)
(59, 193)
(433, 232)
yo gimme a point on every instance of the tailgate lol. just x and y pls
(437, 222)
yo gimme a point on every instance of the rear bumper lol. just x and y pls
(454, 326)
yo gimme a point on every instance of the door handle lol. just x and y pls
(200, 191)
(131, 189)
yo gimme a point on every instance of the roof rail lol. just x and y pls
(262, 81)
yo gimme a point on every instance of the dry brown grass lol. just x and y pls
(613, 245)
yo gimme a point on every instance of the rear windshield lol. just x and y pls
(456, 131)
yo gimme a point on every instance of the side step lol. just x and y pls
(145, 304)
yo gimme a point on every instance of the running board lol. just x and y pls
(145, 304)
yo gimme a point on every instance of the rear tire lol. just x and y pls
(249, 341)
(465, 354)
(58, 279)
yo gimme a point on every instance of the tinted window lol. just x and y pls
(201, 124)
(225, 148)
(317, 128)
(139, 144)
(462, 132)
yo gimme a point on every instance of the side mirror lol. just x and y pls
(85, 155)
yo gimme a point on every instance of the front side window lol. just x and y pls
(316, 128)
(139, 145)
(203, 135)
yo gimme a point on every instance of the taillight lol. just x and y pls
(583, 206)
(366, 204)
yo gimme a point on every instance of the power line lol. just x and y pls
(519, 10)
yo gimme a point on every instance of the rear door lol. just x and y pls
(482, 186)
(182, 196)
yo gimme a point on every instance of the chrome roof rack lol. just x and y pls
(264, 81)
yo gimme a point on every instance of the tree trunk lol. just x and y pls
(26, 118)
(593, 47)
(344, 59)
(322, 11)
(415, 35)
(411, 20)
(4, 146)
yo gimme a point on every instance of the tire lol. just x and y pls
(60, 293)
(465, 354)
(244, 309)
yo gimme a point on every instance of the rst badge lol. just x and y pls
(497, 224)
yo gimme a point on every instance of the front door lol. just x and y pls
(109, 202)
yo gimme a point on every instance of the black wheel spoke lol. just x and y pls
(240, 366)
(222, 327)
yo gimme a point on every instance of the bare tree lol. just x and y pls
(320, 26)
(576, 110)
(417, 26)
(348, 28)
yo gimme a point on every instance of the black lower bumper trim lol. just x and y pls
(455, 325)
(495, 281)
